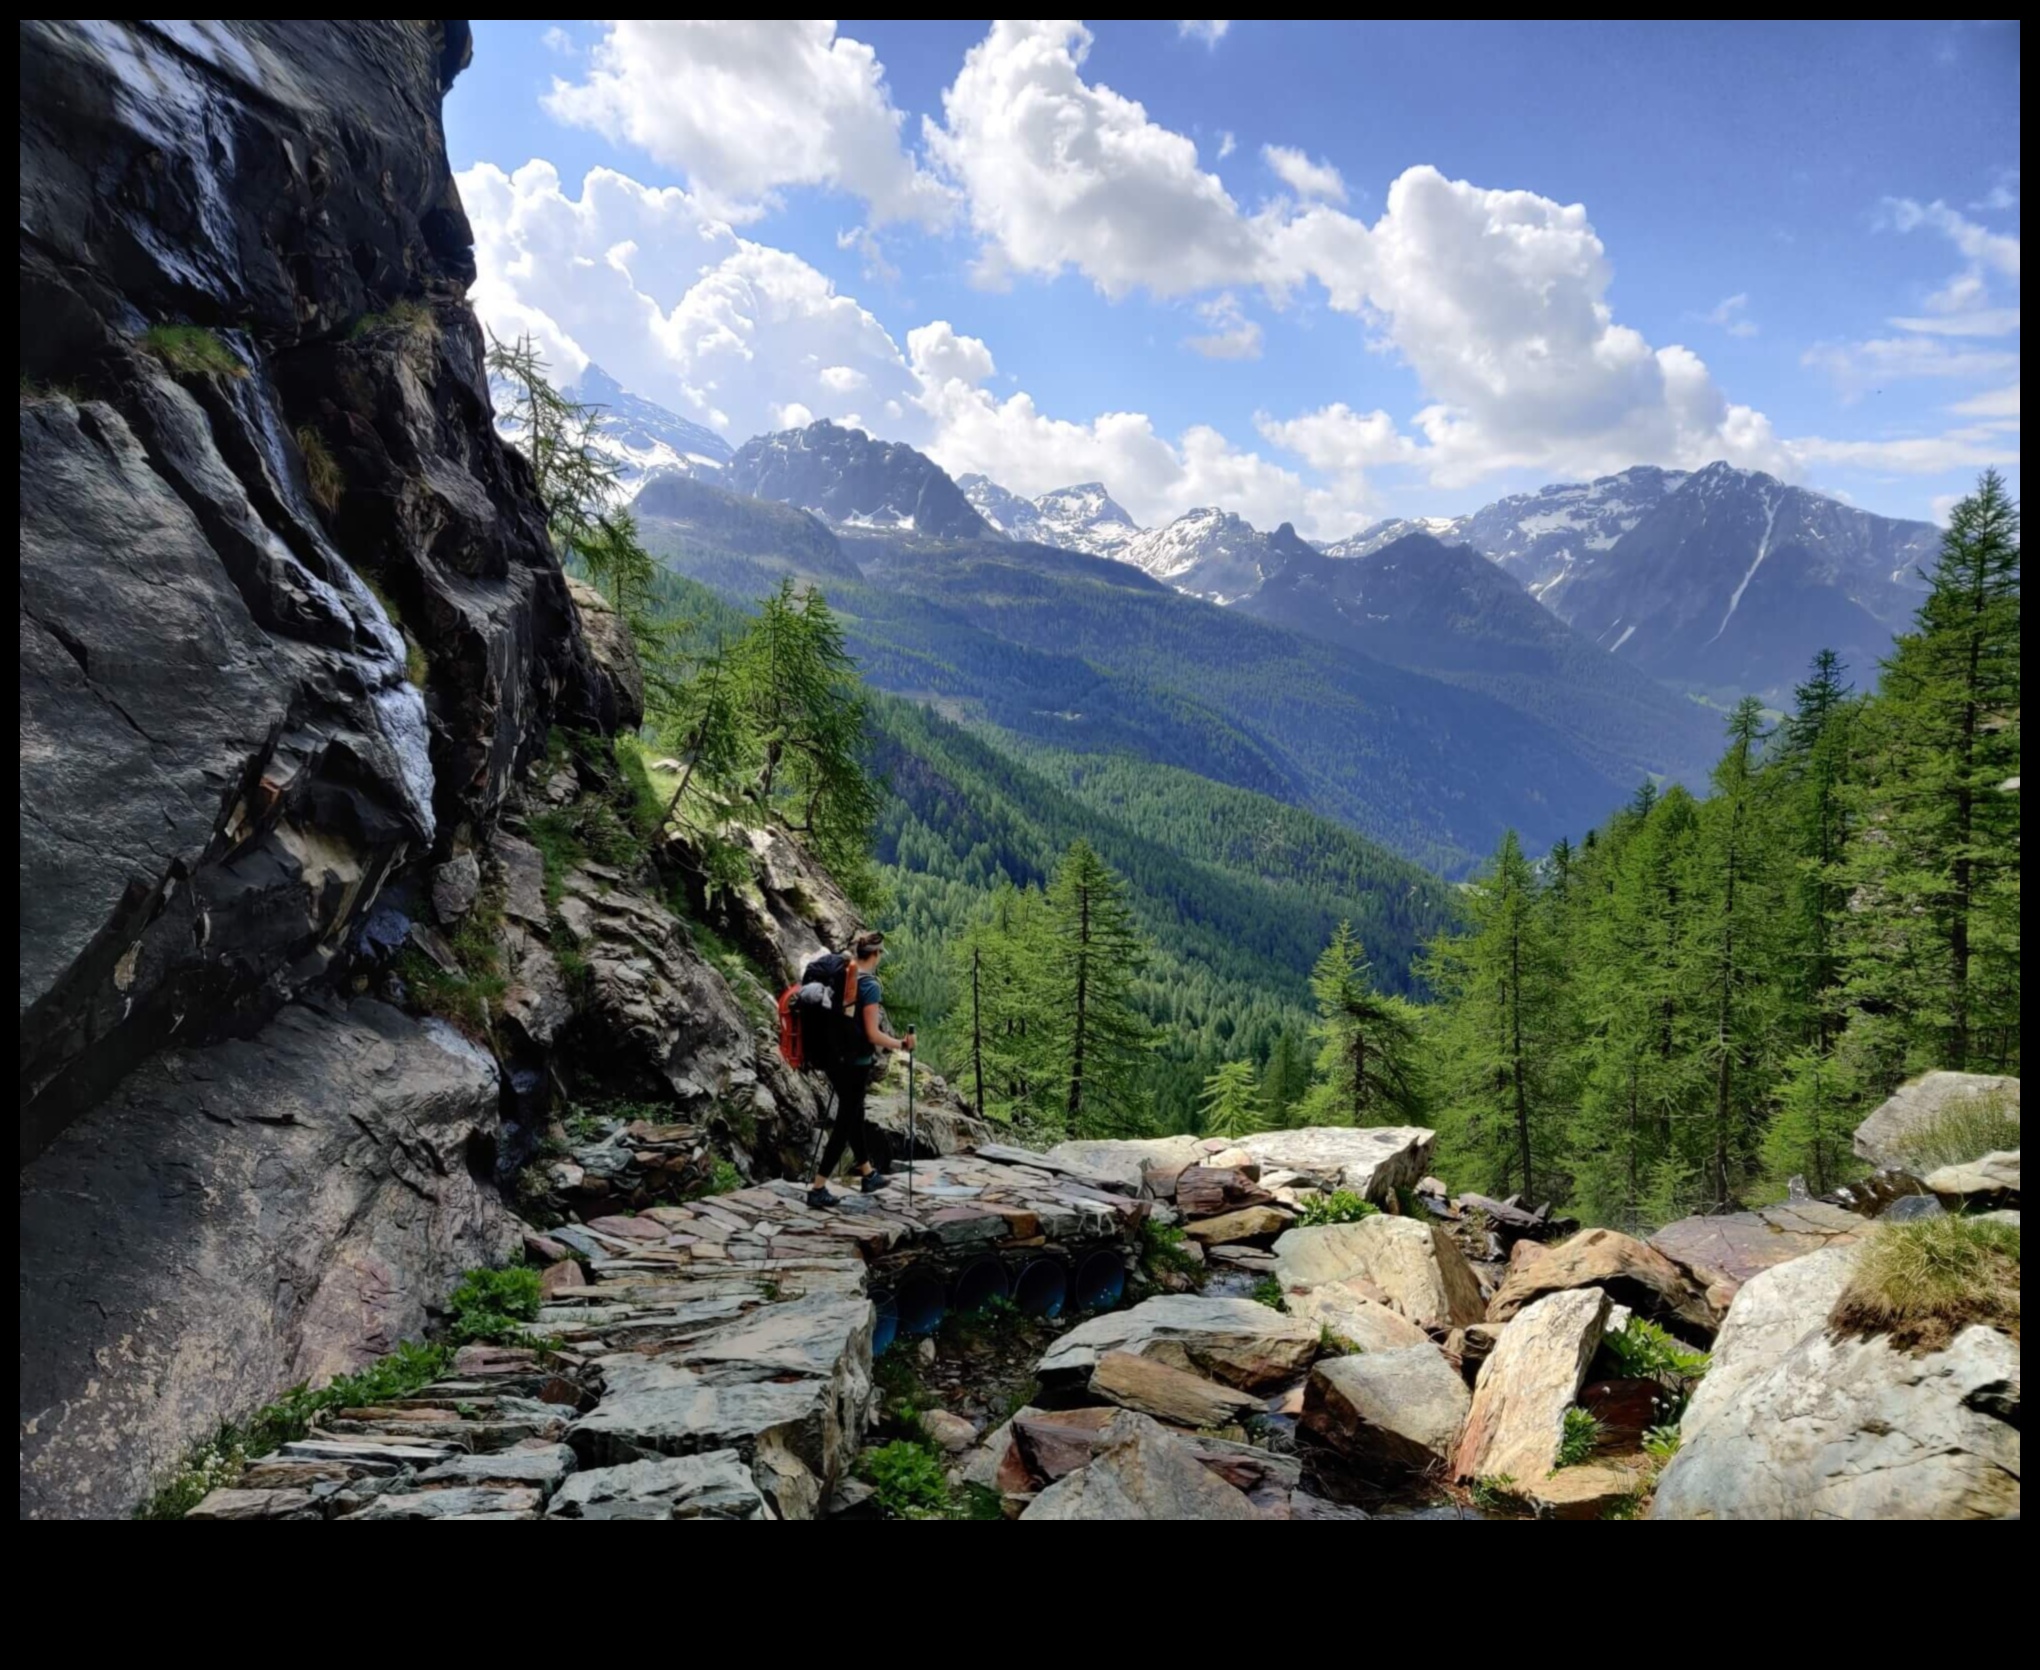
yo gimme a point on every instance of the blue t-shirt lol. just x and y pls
(868, 997)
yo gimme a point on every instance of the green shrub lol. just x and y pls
(1661, 1443)
(1164, 1251)
(908, 1478)
(494, 1306)
(1922, 1283)
(1268, 1291)
(470, 995)
(723, 1176)
(1341, 1206)
(1644, 1351)
(1579, 1436)
(1496, 1494)
(192, 351)
(1962, 1131)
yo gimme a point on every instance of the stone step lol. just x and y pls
(419, 1452)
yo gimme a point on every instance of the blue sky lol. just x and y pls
(1313, 272)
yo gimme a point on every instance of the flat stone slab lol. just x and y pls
(1141, 1472)
(1168, 1394)
(1370, 1160)
(1236, 1341)
(1734, 1246)
(1527, 1384)
(1415, 1266)
(470, 1503)
(542, 1467)
(715, 1485)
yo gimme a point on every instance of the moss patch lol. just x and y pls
(192, 351)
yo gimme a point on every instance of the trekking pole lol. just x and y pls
(910, 1130)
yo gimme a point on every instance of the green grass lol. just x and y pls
(470, 996)
(403, 318)
(1577, 1438)
(1496, 1494)
(1268, 1291)
(1164, 1252)
(1341, 1206)
(192, 351)
(909, 1480)
(1962, 1131)
(218, 1461)
(1644, 1351)
(494, 1307)
(723, 1176)
(1920, 1284)
(1335, 1345)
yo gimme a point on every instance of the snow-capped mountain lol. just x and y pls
(1720, 576)
(1080, 518)
(855, 481)
(642, 436)
(1209, 553)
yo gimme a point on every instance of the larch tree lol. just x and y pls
(1367, 1043)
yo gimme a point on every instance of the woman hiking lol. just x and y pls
(851, 1077)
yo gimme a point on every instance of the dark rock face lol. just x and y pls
(224, 756)
(237, 1219)
(848, 477)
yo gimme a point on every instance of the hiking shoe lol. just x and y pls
(873, 1181)
(821, 1199)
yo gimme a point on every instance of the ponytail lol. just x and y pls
(866, 943)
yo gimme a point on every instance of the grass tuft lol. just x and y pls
(192, 351)
(322, 473)
(1962, 1131)
(1920, 1284)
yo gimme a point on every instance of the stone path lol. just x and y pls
(716, 1363)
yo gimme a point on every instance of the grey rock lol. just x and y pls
(1388, 1411)
(222, 756)
(1365, 1323)
(1525, 1387)
(542, 1467)
(1911, 1208)
(1372, 1161)
(1141, 1471)
(1122, 1165)
(614, 652)
(1992, 1180)
(1415, 1266)
(521, 870)
(235, 1220)
(1731, 1247)
(713, 1485)
(1855, 1429)
(257, 1504)
(460, 1503)
(1234, 1341)
(454, 886)
(1889, 1137)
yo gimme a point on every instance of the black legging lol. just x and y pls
(850, 1084)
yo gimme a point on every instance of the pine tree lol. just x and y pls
(1500, 988)
(1231, 1103)
(1934, 949)
(1094, 952)
(796, 686)
(1366, 1066)
(1002, 1031)
(1286, 1078)
(1811, 768)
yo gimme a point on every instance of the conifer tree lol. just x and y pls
(1367, 1042)
(1231, 1103)
(1094, 951)
(1935, 864)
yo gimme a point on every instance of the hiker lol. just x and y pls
(850, 1074)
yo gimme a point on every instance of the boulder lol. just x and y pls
(1414, 1265)
(1370, 1160)
(997, 1463)
(237, 1219)
(786, 1387)
(1731, 1247)
(1772, 1312)
(1142, 1472)
(1056, 1442)
(1235, 1341)
(1363, 1323)
(1910, 1117)
(713, 1485)
(562, 1277)
(1525, 1387)
(1626, 1409)
(1249, 1223)
(614, 652)
(1856, 1429)
(1168, 1394)
(1627, 1270)
(1991, 1181)
(941, 1123)
(454, 886)
(1388, 1412)
(951, 1432)
(1124, 1164)
(1206, 1191)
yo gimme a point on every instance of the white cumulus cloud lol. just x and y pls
(1209, 30)
(1303, 176)
(1232, 335)
(746, 108)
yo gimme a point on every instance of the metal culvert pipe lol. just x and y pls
(1042, 1288)
(885, 1327)
(1101, 1279)
(919, 1301)
(981, 1281)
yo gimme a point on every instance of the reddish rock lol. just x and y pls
(557, 1278)
(1627, 1270)
(629, 1229)
(1625, 1409)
